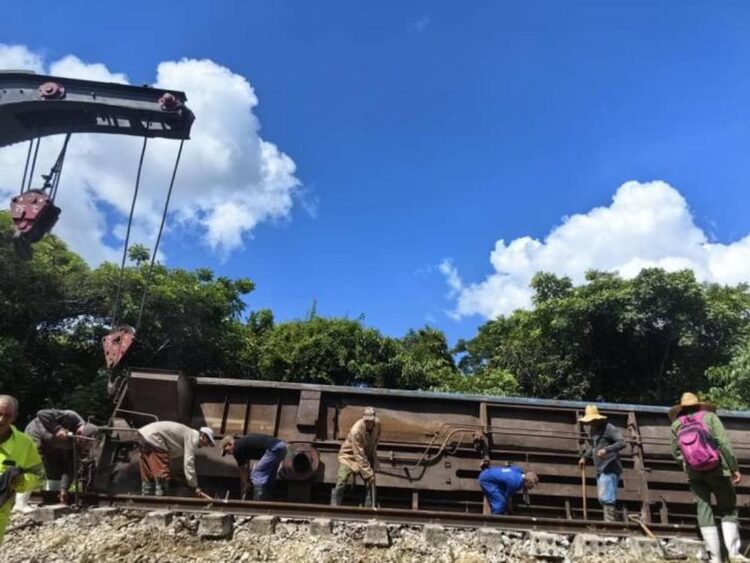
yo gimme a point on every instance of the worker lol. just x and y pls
(358, 456)
(53, 432)
(604, 444)
(269, 452)
(21, 468)
(700, 444)
(499, 484)
(164, 440)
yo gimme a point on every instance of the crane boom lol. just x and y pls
(35, 105)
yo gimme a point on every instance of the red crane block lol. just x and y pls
(117, 343)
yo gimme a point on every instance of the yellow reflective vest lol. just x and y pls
(19, 451)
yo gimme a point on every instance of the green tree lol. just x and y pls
(641, 340)
(729, 384)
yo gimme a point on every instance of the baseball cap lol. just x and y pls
(209, 434)
(87, 430)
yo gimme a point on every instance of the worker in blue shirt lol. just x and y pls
(499, 484)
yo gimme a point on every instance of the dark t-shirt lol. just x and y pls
(252, 446)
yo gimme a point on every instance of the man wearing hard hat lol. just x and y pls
(604, 443)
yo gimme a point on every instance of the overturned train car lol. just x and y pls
(431, 445)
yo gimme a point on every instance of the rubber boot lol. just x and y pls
(731, 533)
(713, 545)
(610, 512)
(368, 497)
(147, 488)
(22, 503)
(337, 496)
(162, 487)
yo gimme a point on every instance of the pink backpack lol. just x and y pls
(699, 449)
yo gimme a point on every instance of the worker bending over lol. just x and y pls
(164, 440)
(499, 484)
(269, 452)
(21, 468)
(604, 445)
(358, 456)
(53, 432)
(700, 444)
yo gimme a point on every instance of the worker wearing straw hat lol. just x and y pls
(604, 443)
(700, 444)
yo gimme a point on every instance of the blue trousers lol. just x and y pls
(606, 487)
(264, 473)
(496, 493)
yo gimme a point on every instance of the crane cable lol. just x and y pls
(26, 167)
(118, 295)
(33, 163)
(56, 171)
(158, 237)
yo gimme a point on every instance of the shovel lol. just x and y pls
(664, 553)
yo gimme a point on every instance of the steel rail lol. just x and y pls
(298, 511)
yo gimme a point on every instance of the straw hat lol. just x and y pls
(592, 414)
(689, 400)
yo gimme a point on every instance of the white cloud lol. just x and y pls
(646, 225)
(421, 25)
(229, 181)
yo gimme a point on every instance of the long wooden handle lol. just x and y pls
(583, 492)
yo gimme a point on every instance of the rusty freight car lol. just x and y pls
(431, 446)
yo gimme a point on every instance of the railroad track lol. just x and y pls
(389, 515)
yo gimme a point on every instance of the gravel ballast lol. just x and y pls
(126, 536)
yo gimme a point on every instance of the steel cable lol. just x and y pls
(118, 296)
(158, 237)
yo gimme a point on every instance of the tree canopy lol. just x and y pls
(643, 340)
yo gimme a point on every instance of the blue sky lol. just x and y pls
(427, 131)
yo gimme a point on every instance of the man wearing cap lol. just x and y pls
(164, 440)
(499, 484)
(54, 431)
(603, 447)
(358, 456)
(720, 480)
(21, 468)
(269, 452)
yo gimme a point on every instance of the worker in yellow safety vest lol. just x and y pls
(21, 468)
